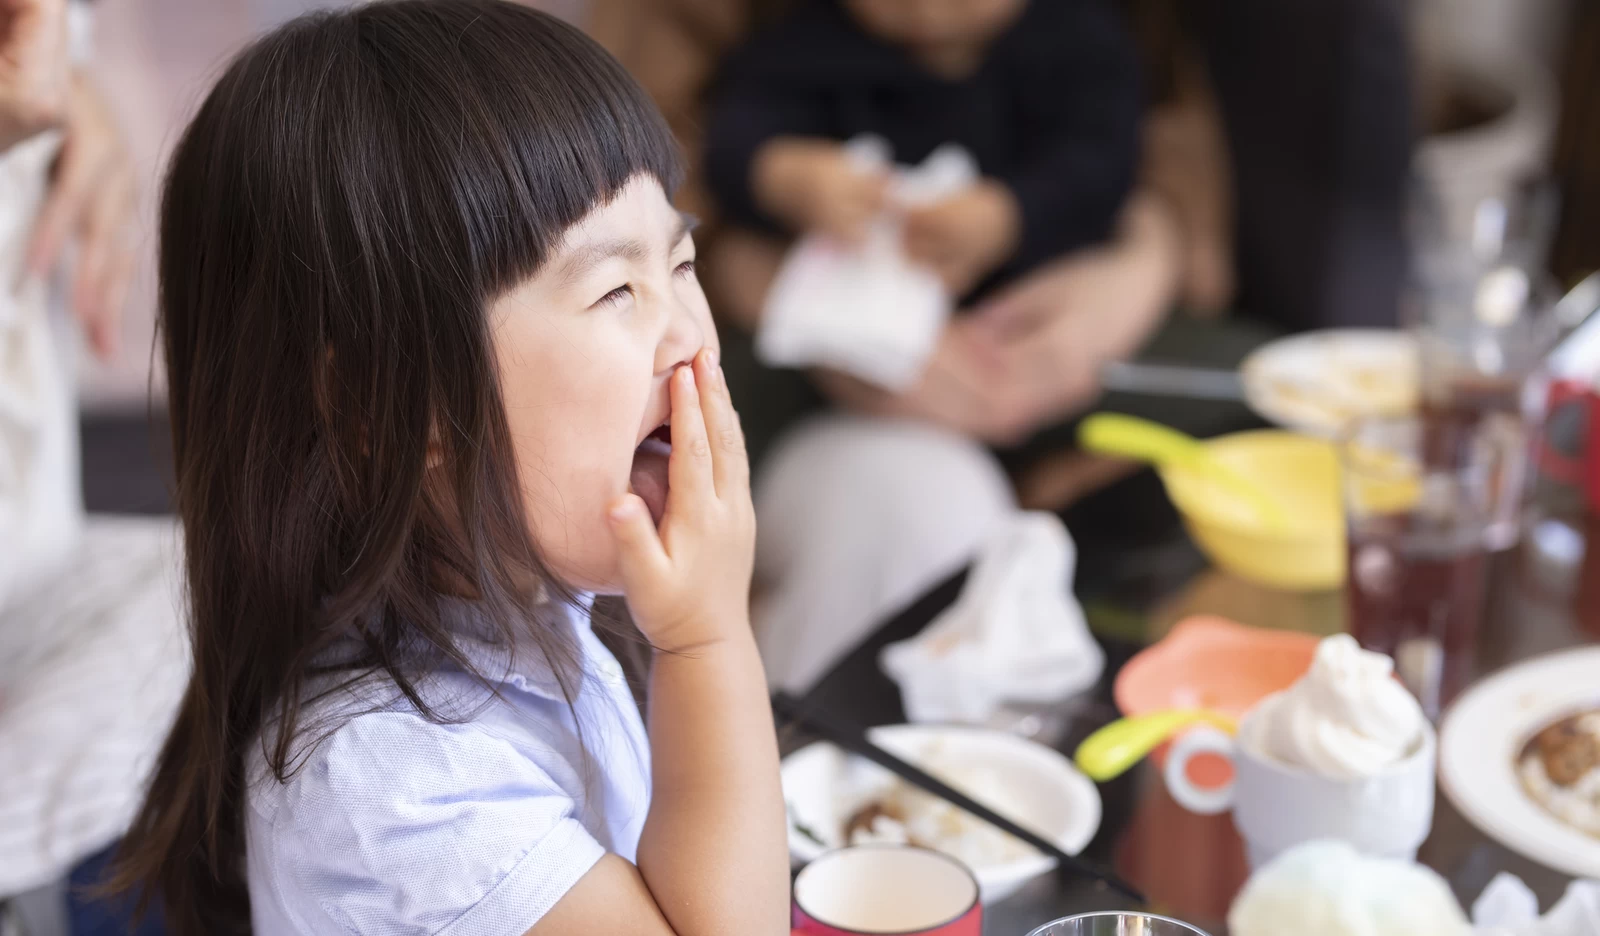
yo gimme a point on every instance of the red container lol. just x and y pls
(1569, 446)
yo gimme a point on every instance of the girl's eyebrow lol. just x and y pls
(587, 257)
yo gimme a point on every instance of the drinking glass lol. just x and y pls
(1419, 495)
(1118, 924)
(1479, 306)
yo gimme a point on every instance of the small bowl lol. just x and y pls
(1212, 663)
(1303, 474)
(1044, 792)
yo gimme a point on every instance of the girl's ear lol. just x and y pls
(433, 457)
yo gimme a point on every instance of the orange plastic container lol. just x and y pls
(1214, 663)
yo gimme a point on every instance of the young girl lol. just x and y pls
(440, 370)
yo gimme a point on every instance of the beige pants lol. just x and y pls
(857, 517)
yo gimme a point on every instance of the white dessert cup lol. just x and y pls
(1277, 806)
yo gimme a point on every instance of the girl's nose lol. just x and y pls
(686, 335)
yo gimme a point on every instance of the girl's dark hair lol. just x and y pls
(353, 193)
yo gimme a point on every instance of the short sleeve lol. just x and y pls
(401, 826)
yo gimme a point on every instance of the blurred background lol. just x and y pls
(1292, 167)
(1499, 87)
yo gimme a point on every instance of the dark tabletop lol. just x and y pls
(1192, 866)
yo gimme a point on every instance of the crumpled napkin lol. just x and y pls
(1015, 634)
(1508, 908)
(868, 310)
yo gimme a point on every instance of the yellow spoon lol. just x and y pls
(1141, 439)
(1109, 752)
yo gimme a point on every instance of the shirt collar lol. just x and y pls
(523, 665)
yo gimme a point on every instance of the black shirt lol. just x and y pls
(1053, 112)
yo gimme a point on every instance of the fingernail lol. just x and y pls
(688, 375)
(712, 358)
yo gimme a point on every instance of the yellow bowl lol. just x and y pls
(1303, 474)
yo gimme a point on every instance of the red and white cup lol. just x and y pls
(872, 890)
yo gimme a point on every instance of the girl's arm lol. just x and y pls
(713, 857)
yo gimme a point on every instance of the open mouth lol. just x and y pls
(648, 478)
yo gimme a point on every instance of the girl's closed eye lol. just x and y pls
(686, 268)
(615, 296)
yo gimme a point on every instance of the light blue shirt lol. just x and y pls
(401, 826)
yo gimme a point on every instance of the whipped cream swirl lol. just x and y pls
(1347, 718)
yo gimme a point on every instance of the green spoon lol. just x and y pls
(1143, 440)
(1109, 752)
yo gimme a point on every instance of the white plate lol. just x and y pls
(1483, 735)
(1316, 382)
(823, 788)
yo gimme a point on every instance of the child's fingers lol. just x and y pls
(640, 555)
(872, 199)
(730, 466)
(689, 467)
(926, 238)
(873, 191)
(847, 221)
(919, 246)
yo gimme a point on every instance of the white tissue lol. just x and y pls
(1506, 902)
(1015, 634)
(1507, 907)
(869, 310)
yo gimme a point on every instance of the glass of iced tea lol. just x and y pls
(1464, 398)
(1418, 498)
(1483, 326)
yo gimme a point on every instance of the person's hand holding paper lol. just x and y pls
(965, 236)
(821, 187)
(865, 306)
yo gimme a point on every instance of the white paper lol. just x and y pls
(1015, 634)
(1507, 907)
(1505, 902)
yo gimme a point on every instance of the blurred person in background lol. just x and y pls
(1046, 98)
(1276, 151)
(1577, 158)
(91, 659)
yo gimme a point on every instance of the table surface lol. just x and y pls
(1544, 595)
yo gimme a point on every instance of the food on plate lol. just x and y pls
(1329, 889)
(1340, 377)
(1346, 718)
(1560, 770)
(902, 814)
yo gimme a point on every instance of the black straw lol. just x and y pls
(854, 740)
